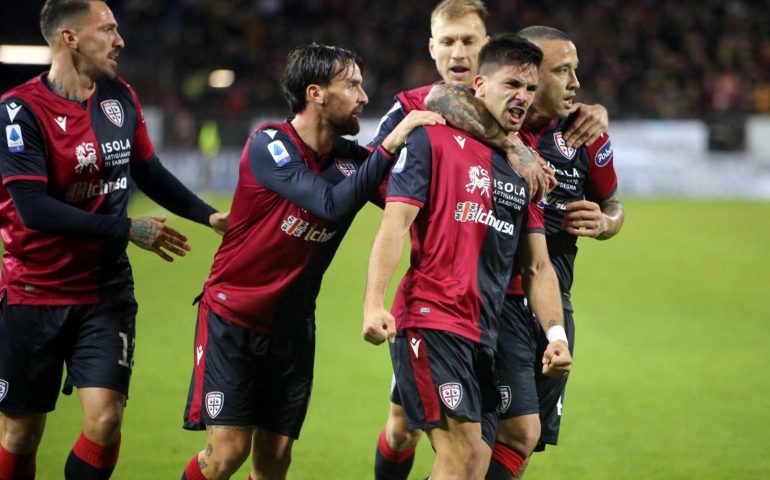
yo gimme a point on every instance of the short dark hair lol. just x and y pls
(509, 49)
(540, 32)
(56, 12)
(313, 64)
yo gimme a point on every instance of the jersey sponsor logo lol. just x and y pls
(460, 141)
(346, 167)
(401, 162)
(3, 389)
(473, 212)
(479, 179)
(505, 398)
(117, 152)
(567, 152)
(553, 202)
(85, 153)
(510, 194)
(451, 394)
(214, 403)
(61, 122)
(414, 343)
(114, 111)
(296, 227)
(14, 138)
(13, 109)
(85, 190)
(279, 153)
(604, 155)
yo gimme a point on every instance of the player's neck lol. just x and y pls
(535, 120)
(313, 133)
(65, 80)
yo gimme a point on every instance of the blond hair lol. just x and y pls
(454, 9)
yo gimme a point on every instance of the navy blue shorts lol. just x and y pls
(246, 378)
(95, 342)
(523, 387)
(440, 374)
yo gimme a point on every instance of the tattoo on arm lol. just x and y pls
(209, 450)
(464, 111)
(552, 323)
(202, 464)
(144, 232)
(614, 214)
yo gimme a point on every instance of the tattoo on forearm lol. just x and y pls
(612, 210)
(202, 464)
(552, 323)
(525, 154)
(462, 110)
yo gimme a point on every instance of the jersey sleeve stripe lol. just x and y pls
(14, 178)
(410, 201)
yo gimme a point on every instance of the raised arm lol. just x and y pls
(397, 218)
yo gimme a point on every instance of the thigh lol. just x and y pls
(32, 350)
(102, 353)
(517, 359)
(551, 391)
(436, 377)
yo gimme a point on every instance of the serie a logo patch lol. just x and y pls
(214, 403)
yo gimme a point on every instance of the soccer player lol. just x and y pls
(299, 187)
(72, 136)
(585, 203)
(465, 207)
(457, 35)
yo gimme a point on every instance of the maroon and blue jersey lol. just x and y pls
(405, 102)
(290, 212)
(472, 206)
(82, 153)
(583, 173)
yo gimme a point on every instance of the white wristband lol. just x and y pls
(556, 332)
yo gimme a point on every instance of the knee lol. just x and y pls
(103, 427)
(521, 433)
(272, 458)
(469, 455)
(224, 460)
(400, 437)
(22, 435)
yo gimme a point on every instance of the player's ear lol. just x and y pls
(431, 45)
(479, 82)
(68, 37)
(315, 94)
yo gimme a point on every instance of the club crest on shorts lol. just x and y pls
(214, 403)
(505, 398)
(567, 152)
(3, 389)
(114, 111)
(451, 394)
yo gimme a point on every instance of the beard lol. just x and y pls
(344, 125)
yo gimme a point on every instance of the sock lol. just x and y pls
(193, 470)
(16, 467)
(505, 462)
(90, 461)
(390, 464)
(523, 468)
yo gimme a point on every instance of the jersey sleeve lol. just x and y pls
(535, 218)
(22, 149)
(277, 164)
(388, 123)
(142, 149)
(602, 182)
(410, 177)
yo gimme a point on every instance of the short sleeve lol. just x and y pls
(602, 182)
(411, 174)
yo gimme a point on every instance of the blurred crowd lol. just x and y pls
(639, 58)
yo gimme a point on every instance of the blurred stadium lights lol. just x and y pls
(221, 78)
(25, 54)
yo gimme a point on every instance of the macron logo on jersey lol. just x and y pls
(13, 109)
(61, 122)
(473, 212)
(460, 141)
(296, 227)
(279, 153)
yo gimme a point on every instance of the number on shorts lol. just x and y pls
(123, 362)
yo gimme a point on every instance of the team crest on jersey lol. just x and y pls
(604, 155)
(14, 138)
(345, 166)
(214, 403)
(567, 152)
(479, 179)
(279, 153)
(451, 394)
(114, 111)
(505, 398)
(3, 389)
(86, 156)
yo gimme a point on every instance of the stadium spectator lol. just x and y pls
(300, 185)
(72, 136)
